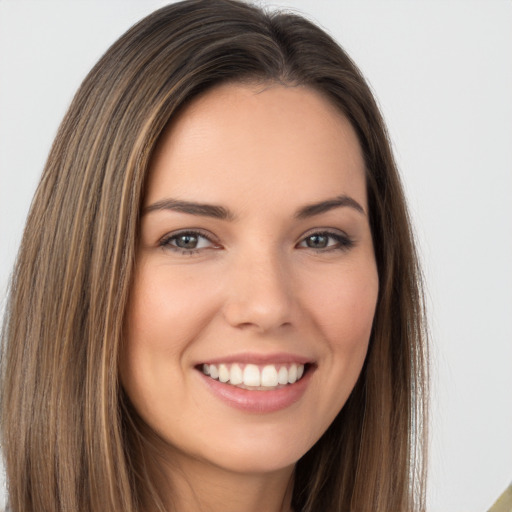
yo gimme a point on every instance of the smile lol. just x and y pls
(257, 386)
(255, 377)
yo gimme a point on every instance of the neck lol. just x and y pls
(207, 488)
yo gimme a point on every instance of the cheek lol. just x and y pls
(160, 325)
(160, 316)
(344, 314)
(345, 307)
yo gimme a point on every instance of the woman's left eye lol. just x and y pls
(326, 241)
(187, 242)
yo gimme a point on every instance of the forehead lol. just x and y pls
(239, 140)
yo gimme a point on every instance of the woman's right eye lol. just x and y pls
(187, 242)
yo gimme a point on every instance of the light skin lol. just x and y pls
(284, 264)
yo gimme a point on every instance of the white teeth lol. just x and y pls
(236, 376)
(253, 376)
(292, 374)
(269, 376)
(214, 372)
(223, 373)
(282, 375)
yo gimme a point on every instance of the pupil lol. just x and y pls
(317, 241)
(187, 241)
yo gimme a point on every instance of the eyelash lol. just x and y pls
(166, 242)
(343, 242)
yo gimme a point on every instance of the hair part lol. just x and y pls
(71, 439)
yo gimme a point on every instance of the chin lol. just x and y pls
(263, 450)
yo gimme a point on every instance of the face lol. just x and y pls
(256, 283)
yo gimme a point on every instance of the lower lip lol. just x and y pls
(258, 401)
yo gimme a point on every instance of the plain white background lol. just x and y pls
(442, 73)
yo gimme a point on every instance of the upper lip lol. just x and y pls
(259, 359)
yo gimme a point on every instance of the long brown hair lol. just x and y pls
(71, 441)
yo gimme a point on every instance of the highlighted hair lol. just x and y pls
(71, 440)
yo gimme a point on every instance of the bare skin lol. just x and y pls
(255, 251)
(230, 492)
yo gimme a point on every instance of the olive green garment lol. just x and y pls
(504, 502)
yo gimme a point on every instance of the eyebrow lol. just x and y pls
(222, 213)
(199, 209)
(324, 206)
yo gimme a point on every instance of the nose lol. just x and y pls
(260, 293)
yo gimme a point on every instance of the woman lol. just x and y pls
(219, 251)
